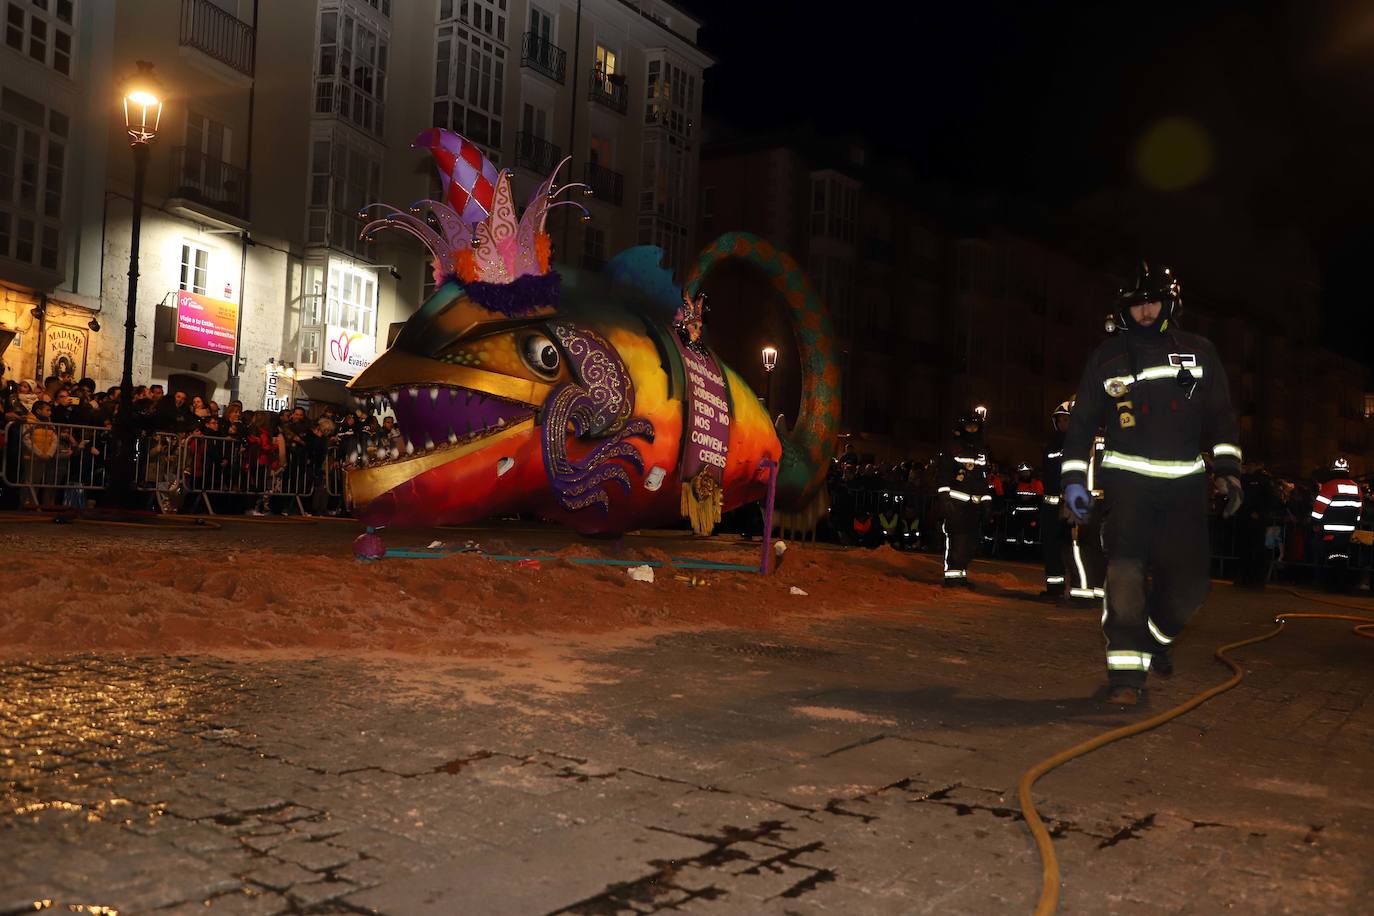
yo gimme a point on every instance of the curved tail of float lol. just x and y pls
(807, 447)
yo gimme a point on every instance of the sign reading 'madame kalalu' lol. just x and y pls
(205, 323)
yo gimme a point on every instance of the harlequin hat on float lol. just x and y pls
(473, 234)
(1151, 285)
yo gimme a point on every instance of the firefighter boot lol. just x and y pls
(1123, 695)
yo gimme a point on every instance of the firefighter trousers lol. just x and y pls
(1054, 541)
(962, 527)
(1155, 535)
(1086, 562)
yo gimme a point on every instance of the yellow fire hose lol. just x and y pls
(1049, 864)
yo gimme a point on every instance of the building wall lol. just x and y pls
(930, 324)
(217, 98)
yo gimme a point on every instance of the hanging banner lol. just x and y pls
(64, 351)
(346, 353)
(705, 437)
(205, 323)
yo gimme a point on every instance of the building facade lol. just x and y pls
(932, 321)
(265, 155)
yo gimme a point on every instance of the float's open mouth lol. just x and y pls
(440, 418)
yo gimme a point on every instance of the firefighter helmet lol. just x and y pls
(1063, 410)
(1151, 285)
(975, 417)
(1342, 465)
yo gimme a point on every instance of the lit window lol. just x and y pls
(195, 266)
(352, 299)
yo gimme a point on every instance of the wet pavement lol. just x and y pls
(866, 764)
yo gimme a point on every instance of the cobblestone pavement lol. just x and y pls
(866, 765)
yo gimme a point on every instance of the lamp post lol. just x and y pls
(142, 114)
(770, 362)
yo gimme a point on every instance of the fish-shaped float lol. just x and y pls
(587, 398)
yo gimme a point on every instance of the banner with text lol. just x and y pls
(347, 352)
(706, 424)
(205, 323)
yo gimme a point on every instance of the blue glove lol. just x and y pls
(1079, 501)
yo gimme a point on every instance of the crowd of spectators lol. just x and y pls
(190, 449)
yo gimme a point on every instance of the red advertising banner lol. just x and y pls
(205, 323)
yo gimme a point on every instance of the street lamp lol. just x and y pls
(142, 114)
(770, 362)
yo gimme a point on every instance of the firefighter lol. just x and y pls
(964, 492)
(1023, 510)
(1335, 515)
(1054, 535)
(1160, 395)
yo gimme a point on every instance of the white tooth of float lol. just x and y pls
(429, 443)
(453, 394)
(654, 479)
(414, 392)
(500, 421)
(434, 395)
(395, 452)
(452, 437)
(410, 447)
(504, 465)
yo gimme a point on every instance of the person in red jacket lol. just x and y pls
(1023, 510)
(1335, 515)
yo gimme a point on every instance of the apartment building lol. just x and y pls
(931, 321)
(282, 120)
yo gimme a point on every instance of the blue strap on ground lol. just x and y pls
(679, 562)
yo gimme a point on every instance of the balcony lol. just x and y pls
(220, 35)
(543, 56)
(606, 184)
(208, 182)
(536, 154)
(609, 91)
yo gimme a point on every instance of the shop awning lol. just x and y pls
(325, 390)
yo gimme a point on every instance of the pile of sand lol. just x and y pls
(181, 600)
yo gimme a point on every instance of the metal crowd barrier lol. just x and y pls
(54, 461)
(43, 460)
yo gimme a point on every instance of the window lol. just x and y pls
(344, 178)
(594, 247)
(605, 62)
(708, 209)
(488, 16)
(195, 266)
(33, 145)
(310, 348)
(42, 30)
(469, 81)
(834, 207)
(351, 66)
(352, 299)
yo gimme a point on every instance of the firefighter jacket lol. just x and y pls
(1337, 506)
(1154, 419)
(1028, 495)
(1053, 458)
(963, 470)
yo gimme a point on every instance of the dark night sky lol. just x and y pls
(1046, 106)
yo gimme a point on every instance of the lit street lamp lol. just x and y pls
(770, 362)
(142, 114)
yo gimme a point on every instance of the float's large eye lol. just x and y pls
(540, 354)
